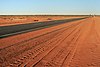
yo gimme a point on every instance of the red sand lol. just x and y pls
(71, 45)
(13, 20)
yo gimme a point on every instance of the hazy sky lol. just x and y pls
(49, 7)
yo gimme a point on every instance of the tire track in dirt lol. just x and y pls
(93, 41)
(14, 52)
(56, 60)
(79, 41)
(30, 64)
(86, 55)
(50, 44)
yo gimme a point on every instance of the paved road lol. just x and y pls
(17, 29)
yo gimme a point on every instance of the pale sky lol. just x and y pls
(33, 7)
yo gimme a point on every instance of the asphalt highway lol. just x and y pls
(6, 31)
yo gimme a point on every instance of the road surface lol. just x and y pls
(74, 44)
(6, 31)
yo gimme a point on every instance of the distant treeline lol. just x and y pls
(48, 15)
(44, 15)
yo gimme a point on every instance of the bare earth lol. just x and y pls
(13, 20)
(75, 44)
